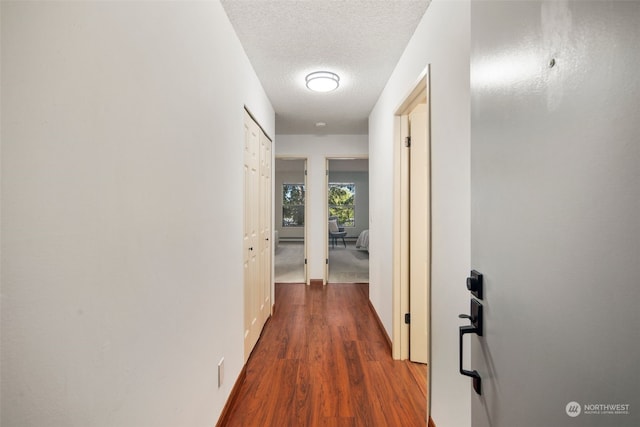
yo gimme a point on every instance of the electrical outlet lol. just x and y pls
(220, 372)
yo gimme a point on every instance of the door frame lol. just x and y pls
(306, 210)
(419, 93)
(325, 279)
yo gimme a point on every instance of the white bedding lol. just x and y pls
(363, 240)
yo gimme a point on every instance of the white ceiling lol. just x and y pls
(361, 41)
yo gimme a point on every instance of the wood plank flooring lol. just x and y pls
(323, 361)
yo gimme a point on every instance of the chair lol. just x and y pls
(335, 232)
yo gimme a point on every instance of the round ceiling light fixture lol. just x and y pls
(323, 81)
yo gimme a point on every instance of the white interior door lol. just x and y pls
(326, 221)
(306, 226)
(252, 291)
(554, 223)
(265, 228)
(420, 238)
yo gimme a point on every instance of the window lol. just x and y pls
(292, 205)
(342, 203)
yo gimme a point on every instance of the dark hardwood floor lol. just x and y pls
(323, 361)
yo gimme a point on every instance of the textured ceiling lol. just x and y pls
(361, 41)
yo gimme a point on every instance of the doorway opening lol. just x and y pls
(290, 236)
(347, 213)
(412, 227)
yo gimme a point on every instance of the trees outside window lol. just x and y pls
(292, 205)
(342, 203)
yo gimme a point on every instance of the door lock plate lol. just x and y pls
(475, 284)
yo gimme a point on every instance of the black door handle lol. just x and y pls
(466, 316)
(477, 381)
(475, 317)
(475, 328)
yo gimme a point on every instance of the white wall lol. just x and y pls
(122, 129)
(316, 148)
(442, 40)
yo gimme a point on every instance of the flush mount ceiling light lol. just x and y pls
(322, 81)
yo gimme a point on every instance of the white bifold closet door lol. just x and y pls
(257, 232)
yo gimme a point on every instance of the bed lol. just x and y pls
(363, 240)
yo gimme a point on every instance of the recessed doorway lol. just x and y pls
(412, 228)
(412, 225)
(347, 191)
(290, 220)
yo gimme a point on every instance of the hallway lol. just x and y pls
(322, 361)
(122, 211)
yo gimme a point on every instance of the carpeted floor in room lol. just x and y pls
(289, 262)
(346, 265)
